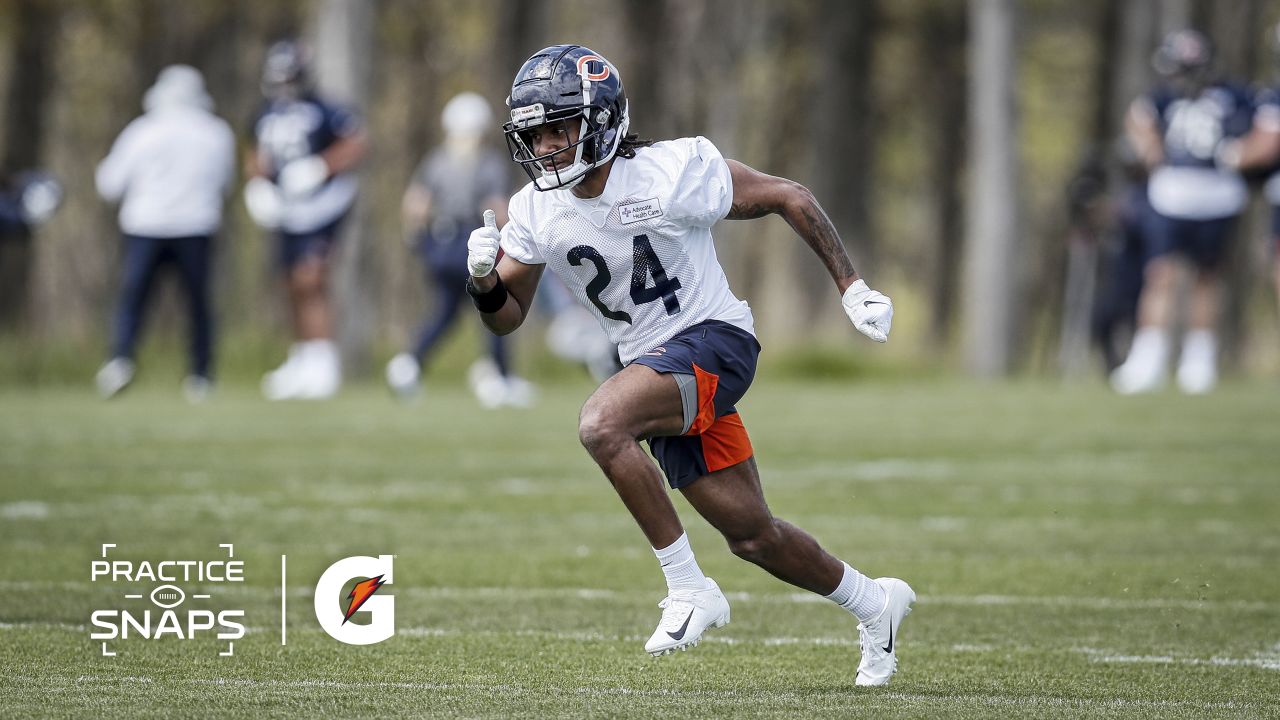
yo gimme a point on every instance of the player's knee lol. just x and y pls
(1161, 272)
(598, 433)
(309, 276)
(758, 545)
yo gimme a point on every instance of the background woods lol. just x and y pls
(940, 136)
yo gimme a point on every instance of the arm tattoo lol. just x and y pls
(812, 224)
(747, 211)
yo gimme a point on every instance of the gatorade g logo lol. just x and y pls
(334, 610)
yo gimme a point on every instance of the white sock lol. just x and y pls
(858, 594)
(680, 567)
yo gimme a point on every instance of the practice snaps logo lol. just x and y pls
(166, 616)
(335, 611)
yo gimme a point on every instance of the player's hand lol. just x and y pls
(266, 206)
(482, 246)
(869, 311)
(301, 177)
(1226, 155)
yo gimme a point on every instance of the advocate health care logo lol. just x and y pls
(166, 617)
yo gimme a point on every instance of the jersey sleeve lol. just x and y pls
(341, 121)
(703, 192)
(517, 234)
(1266, 109)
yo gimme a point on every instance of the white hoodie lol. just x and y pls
(173, 166)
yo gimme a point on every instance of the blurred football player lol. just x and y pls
(626, 224)
(453, 184)
(1179, 131)
(170, 169)
(301, 187)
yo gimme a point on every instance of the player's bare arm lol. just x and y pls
(1257, 150)
(346, 152)
(521, 281)
(756, 194)
(1143, 133)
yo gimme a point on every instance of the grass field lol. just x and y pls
(1075, 554)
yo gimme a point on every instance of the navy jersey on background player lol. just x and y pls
(288, 130)
(1195, 199)
(1192, 127)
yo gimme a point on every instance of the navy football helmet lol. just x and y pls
(567, 83)
(1183, 53)
(286, 73)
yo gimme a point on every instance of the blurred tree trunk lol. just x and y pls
(30, 79)
(1236, 30)
(943, 37)
(1086, 194)
(1130, 64)
(843, 140)
(520, 34)
(344, 71)
(648, 55)
(781, 131)
(994, 196)
(1176, 15)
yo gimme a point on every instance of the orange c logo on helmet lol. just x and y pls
(584, 68)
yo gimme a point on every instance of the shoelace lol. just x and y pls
(870, 649)
(674, 609)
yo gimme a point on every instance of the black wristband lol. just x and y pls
(491, 301)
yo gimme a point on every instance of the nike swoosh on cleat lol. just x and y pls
(889, 648)
(680, 635)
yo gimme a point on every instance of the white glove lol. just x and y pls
(1226, 155)
(301, 177)
(266, 206)
(482, 246)
(868, 310)
(40, 198)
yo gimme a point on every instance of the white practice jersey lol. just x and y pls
(640, 256)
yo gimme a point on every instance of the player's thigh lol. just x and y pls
(732, 500)
(637, 400)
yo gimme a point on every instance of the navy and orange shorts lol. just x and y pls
(714, 363)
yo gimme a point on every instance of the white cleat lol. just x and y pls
(879, 637)
(196, 389)
(1136, 377)
(114, 376)
(284, 382)
(519, 393)
(487, 383)
(1197, 377)
(686, 614)
(320, 374)
(403, 373)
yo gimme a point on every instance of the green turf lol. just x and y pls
(1076, 555)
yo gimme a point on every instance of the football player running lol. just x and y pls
(626, 224)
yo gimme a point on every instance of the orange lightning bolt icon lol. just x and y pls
(361, 592)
